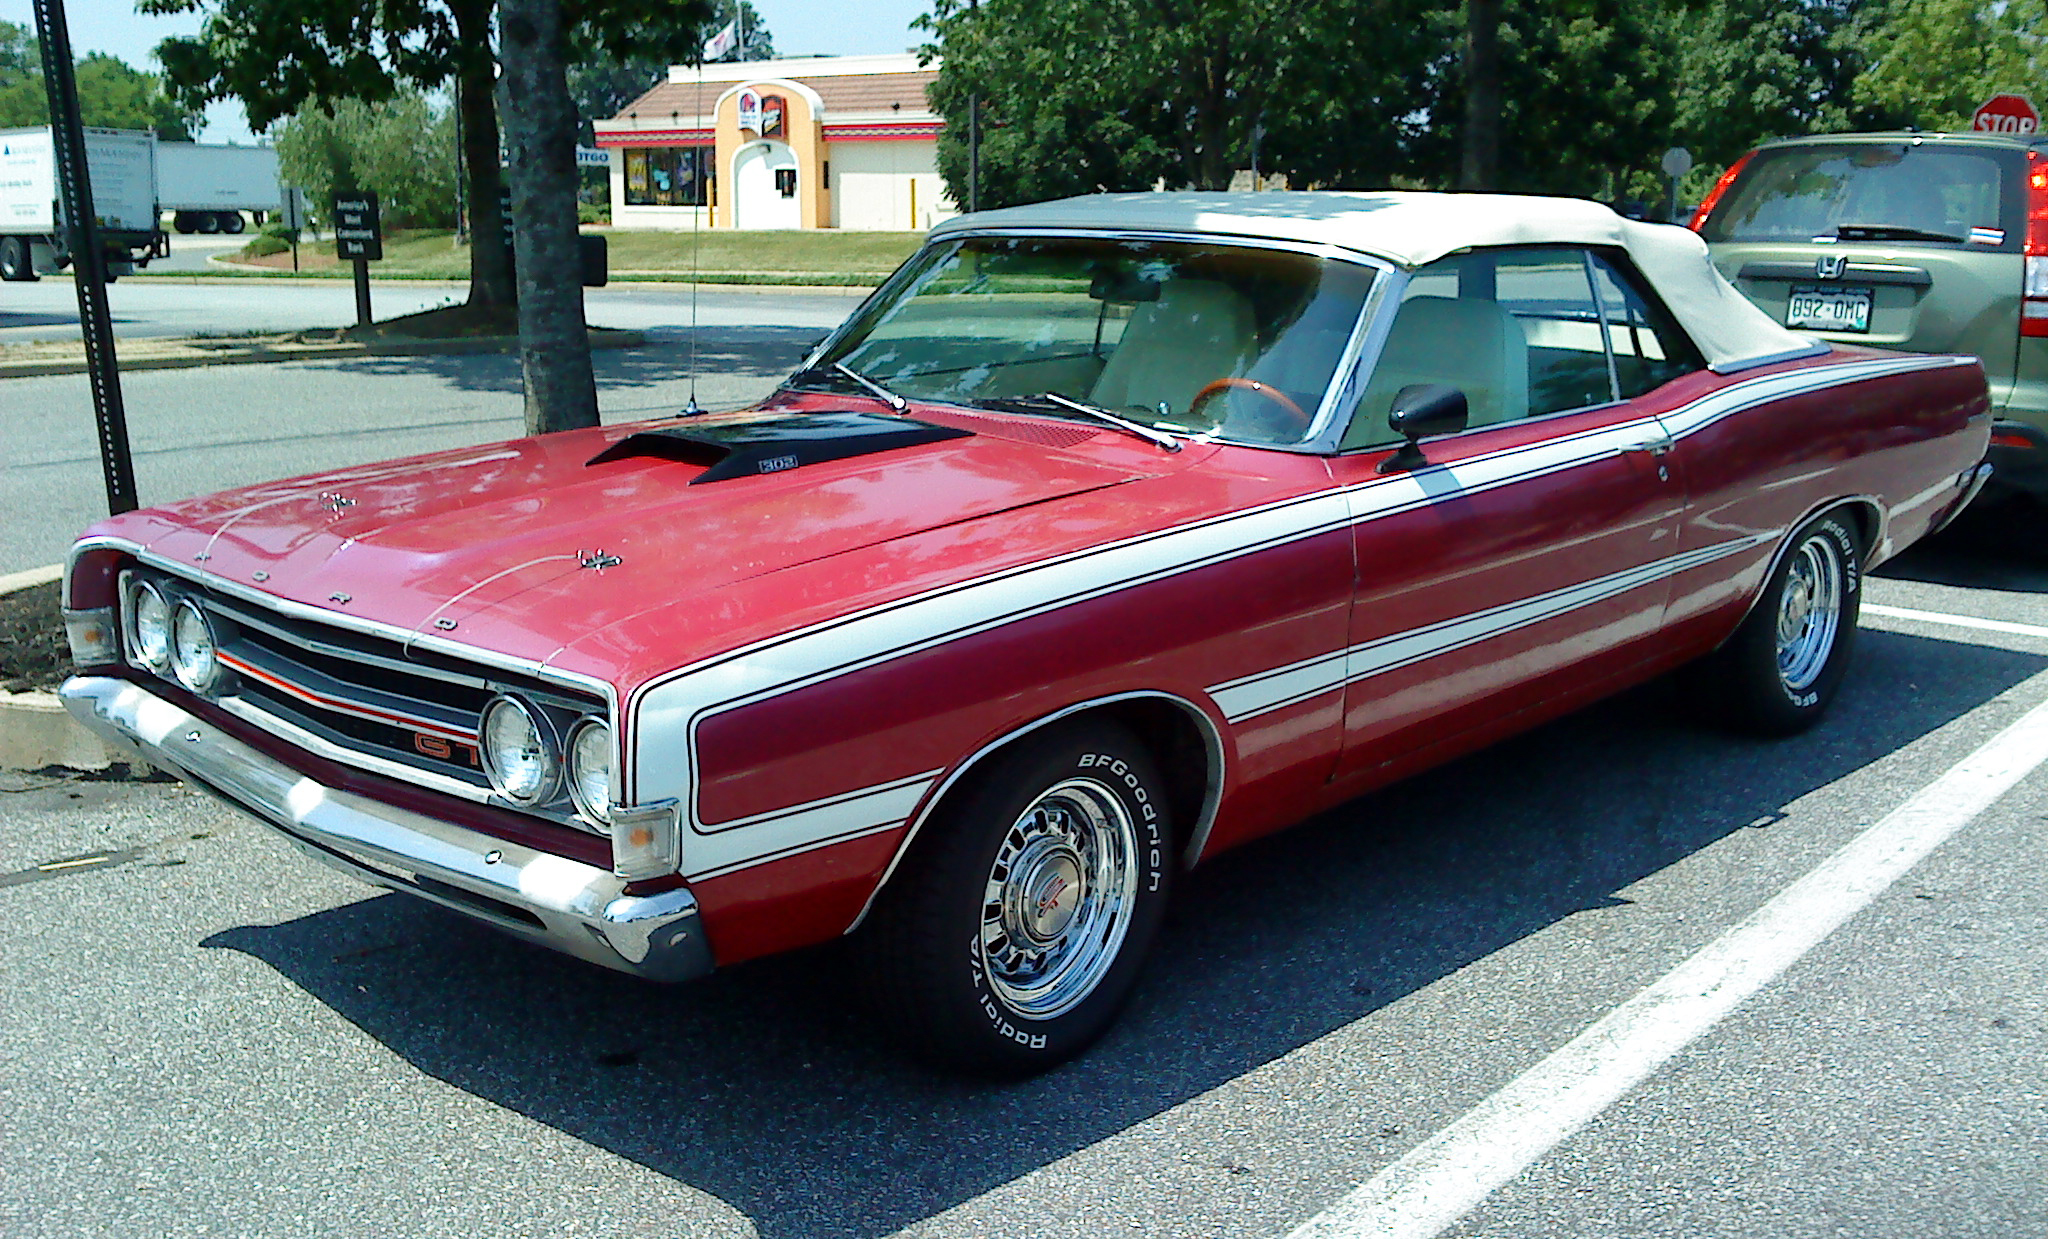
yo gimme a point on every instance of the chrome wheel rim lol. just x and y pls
(1059, 898)
(1809, 614)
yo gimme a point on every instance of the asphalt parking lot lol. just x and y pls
(1442, 1003)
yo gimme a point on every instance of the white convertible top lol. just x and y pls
(1411, 229)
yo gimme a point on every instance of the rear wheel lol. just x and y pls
(232, 221)
(15, 264)
(1018, 926)
(1780, 670)
(206, 221)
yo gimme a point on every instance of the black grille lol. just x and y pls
(368, 694)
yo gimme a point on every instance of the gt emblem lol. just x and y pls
(1828, 267)
(442, 749)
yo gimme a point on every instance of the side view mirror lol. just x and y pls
(1419, 411)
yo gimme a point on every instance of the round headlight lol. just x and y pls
(149, 627)
(517, 751)
(590, 769)
(195, 657)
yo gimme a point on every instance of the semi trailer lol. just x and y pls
(207, 187)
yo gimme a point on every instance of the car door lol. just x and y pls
(1526, 565)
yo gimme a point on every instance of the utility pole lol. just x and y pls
(88, 261)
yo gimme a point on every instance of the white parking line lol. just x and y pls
(1447, 1175)
(1955, 621)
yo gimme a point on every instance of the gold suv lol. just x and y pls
(1929, 242)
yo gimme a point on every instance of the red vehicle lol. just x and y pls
(1107, 535)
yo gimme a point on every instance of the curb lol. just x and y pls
(599, 338)
(36, 731)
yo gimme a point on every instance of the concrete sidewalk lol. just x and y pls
(68, 357)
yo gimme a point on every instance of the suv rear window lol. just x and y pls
(1872, 191)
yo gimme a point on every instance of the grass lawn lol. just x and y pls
(820, 256)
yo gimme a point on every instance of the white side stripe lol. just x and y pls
(1271, 690)
(1445, 1176)
(788, 831)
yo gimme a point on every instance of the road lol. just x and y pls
(209, 1035)
(145, 308)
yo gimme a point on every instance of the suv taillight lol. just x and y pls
(1713, 198)
(2034, 295)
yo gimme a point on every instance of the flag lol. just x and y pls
(724, 41)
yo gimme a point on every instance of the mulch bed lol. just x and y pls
(34, 654)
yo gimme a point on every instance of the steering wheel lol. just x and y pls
(1270, 392)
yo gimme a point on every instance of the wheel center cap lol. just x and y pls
(1049, 892)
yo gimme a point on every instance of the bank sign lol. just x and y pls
(358, 228)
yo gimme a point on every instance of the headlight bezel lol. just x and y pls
(547, 747)
(132, 629)
(597, 813)
(206, 680)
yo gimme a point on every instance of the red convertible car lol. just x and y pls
(1107, 535)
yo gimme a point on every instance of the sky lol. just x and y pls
(800, 27)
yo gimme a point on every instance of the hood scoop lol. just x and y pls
(776, 444)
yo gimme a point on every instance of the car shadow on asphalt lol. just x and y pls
(769, 1088)
(1992, 545)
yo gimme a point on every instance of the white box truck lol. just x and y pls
(207, 187)
(122, 167)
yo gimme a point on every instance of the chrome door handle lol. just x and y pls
(1658, 448)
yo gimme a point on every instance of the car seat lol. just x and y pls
(1474, 346)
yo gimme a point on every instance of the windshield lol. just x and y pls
(1870, 191)
(1180, 336)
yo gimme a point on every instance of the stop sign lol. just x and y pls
(2006, 114)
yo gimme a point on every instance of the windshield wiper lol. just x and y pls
(896, 402)
(1888, 232)
(1125, 424)
(832, 370)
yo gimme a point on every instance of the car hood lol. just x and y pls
(523, 547)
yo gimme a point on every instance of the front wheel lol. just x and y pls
(1021, 919)
(1780, 670)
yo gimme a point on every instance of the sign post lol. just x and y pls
(293, 212)
(1677, 162)
(2015, 114)
(359, 236)
(88, 261)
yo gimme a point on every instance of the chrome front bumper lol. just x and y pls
(561, 903)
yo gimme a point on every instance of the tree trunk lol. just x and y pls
(490, 266)
(540, 133)
(1481, 165)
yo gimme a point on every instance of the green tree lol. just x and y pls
(1759, 69)
(401, 148)
(1585, 101)
(1930, 63)
(1188, 93)
(111, 94)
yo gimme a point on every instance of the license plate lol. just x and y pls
(1828, 309)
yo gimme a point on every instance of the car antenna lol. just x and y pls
(693, 409)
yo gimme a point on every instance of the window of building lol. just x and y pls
(668, 175)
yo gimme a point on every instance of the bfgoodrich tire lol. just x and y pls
(1781, 669)
(1014, 932)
